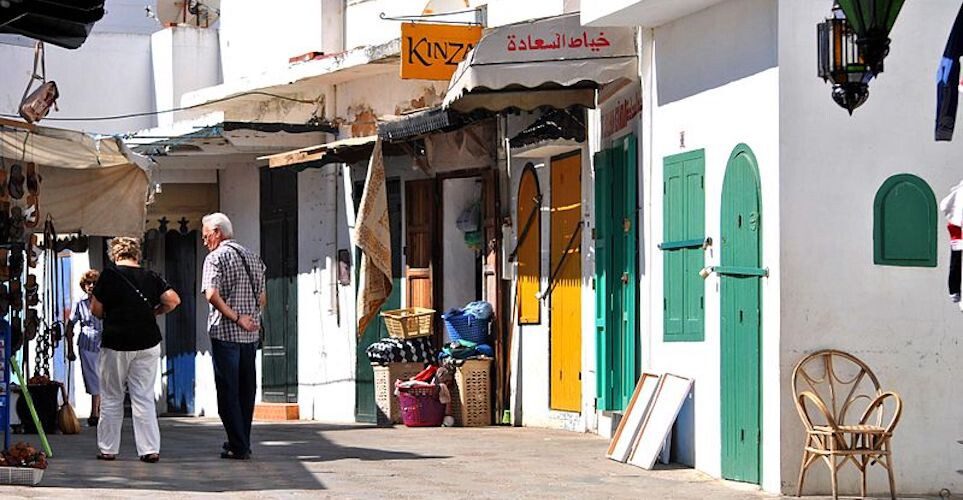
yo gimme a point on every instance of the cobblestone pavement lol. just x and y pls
(312, 460)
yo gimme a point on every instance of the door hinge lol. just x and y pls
(742, 434)
(580, 375)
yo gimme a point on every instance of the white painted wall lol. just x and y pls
(898, 320)
(459, 266)
(257, 37)
(713, 78)
(184, 58)
(326, 353)
(108, 64)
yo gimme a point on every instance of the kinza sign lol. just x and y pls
(433, 51)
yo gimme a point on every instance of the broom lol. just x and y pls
(66, 418)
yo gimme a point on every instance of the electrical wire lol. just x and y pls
(172, 110)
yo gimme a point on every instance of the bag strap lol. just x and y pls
(137, 290)
(247, 269)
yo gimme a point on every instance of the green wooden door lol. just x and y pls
(365, 408)
(279, 249)
(616, 288)
(741, 311)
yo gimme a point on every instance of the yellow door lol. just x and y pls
(565, 300)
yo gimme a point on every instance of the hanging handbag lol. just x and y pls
(250, 279)
(35, 105)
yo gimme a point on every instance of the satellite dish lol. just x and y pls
(201, 13)
(445, 6)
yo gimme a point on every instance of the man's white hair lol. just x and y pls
(219, 221)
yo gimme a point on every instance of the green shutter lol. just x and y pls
(904, 223)
(683, 257)
(602, 301)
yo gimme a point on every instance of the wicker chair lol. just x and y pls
(838, 385)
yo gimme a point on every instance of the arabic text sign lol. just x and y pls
(433, 51)
(558, 38)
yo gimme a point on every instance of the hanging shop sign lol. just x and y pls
(620, 110)
(433, 51)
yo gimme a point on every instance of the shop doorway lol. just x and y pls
(460, 241)
(279, 249)
(741, 309)
(180, 339)
(565, 283)
(365, 408)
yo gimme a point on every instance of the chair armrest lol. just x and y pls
(801, 400)
(877, 403)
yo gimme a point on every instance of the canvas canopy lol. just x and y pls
(91, 185)
(553, 62)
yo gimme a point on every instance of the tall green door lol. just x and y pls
(365, 408)
(279, 250)
(616, 287)
(741, 309)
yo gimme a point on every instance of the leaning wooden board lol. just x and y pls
(628, 430)
(663, 410)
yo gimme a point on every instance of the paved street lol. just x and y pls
(314, 460)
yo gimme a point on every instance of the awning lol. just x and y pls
(91, 185)
(552, 62)
(59, 22)
(348, 150)
(426, 121)
(552, 125)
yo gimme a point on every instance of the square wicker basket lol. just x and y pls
(409, 323)
(471, 394)
(388, 409)
(22, 476)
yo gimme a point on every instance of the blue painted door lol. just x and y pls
(180, 342)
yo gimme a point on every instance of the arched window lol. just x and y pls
(904, 223)
(528, 246)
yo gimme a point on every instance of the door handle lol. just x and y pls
(625, 278)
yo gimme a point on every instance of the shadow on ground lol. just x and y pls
(190, 458)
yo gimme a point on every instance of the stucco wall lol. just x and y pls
(898, 320)
(712, 84)
(108, 64)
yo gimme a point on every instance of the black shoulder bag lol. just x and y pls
(257, 299)
(150, 307)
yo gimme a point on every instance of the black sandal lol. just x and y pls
(230, 455)
(150, 458)
(106, 456)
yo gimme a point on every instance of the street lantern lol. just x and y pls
(842, 61)
(872, 20)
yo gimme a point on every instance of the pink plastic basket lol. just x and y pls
(420, 406)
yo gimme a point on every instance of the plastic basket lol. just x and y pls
(23, 476)
(388, 411)
(409, 323)
(463, 326)
(471, 393)
(420, 406)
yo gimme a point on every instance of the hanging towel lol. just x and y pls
(373, 237)
(947, 81)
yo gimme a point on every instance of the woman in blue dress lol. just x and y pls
(88, 342)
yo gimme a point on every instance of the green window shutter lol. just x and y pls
(673, 261)
(683, 257)
(904, 223)
(695, 257)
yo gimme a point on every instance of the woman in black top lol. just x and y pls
(129, 299)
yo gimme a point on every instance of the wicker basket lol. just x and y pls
(471, 394)
(409, 323)
(24, 476)
(384, 381)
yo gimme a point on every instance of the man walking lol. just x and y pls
(233, 283)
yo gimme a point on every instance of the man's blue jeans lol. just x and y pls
(236, 380)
